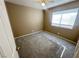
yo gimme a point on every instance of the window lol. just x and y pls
(65, 18)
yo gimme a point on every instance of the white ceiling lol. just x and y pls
(34, 4)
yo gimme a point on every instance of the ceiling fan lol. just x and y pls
(44, 2)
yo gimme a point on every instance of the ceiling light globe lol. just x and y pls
(43, 4)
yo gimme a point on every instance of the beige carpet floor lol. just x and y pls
(44, 45)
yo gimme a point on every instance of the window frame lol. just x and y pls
(63, 25)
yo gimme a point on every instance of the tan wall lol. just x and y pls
(24, 20)
(67, 33)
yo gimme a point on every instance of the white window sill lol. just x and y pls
(63, 26)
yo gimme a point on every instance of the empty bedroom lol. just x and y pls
(44, 28)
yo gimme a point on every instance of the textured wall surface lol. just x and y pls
(23, 19)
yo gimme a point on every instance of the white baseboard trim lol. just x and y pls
(62, 37)
(44, 31)
(71, 41)
(28, 34)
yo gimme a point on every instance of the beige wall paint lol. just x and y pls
(24, 20)
(67, 33)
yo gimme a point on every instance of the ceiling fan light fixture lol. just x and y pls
(43, 4)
